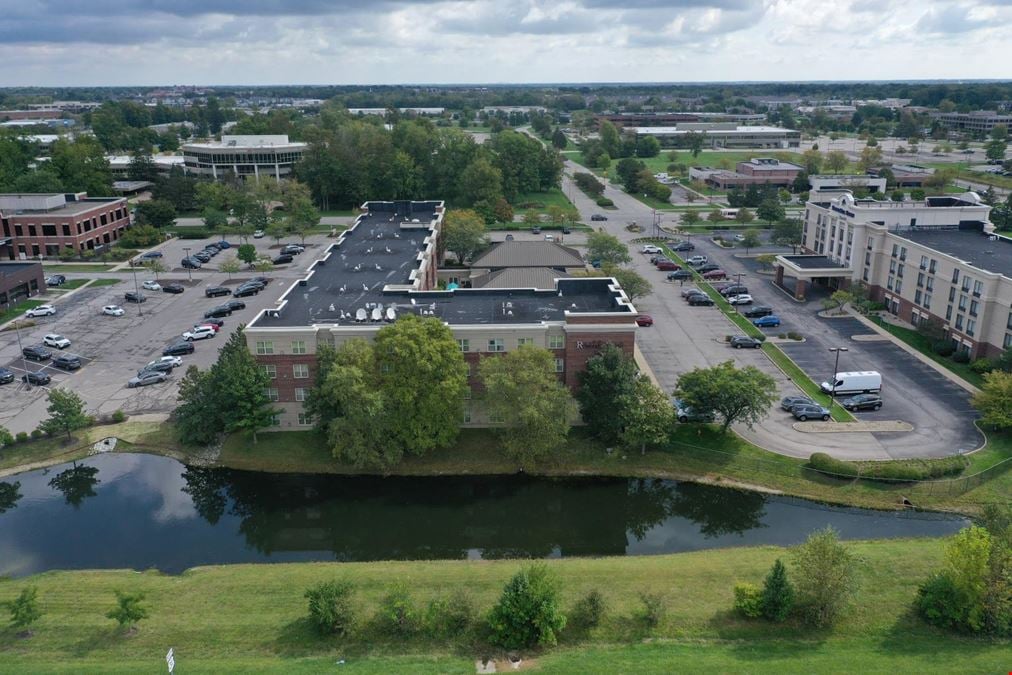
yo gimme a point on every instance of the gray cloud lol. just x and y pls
(949, 19)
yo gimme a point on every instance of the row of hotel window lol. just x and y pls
(266, 347)
(305, 419)
(50, 229)
(300, 371)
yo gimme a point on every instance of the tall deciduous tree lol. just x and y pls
(464, 234)
(836, 161)
(523, 391)
(771, 211)
(788, 233)
(66, 412)
(737, 395)
(994, 400)
(751, 240)
(634, 285)
(157, 213)
(607, 249)
(646, 415)
(824, 577)
(128, 610)
(242, 385)
(608, 380)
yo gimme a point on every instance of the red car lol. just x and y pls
(667, 266)
(715, 274)
(644, 320)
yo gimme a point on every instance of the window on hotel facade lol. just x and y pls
(903, 252)
(465, 345)
(917, 296)
(952, 294)
(974, 305)
(265, 346)
(966, 284)
(971, 326)
(932, 266)
(525, 341)
(300, 371)
(892, 267)
(924, 262)
(896, 250)
(930, 284)
(270, 370)
(467, 416)
(560, 365)
(298, 346)
(927, 301)
(899, 286)
(305, 419)
(920, 279)
(1008, 324)
(978, 288)
(959, 322)
(300, 393)
(962, 303)
(556, 341)
(890, 282)
(948, 313)
(272, 393)
(955, 276)
(276, 421)
(899, 271)
(496, 345)
(1008, 341)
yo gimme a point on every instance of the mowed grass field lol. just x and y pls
(252, 618)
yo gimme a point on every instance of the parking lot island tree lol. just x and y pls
(246, 253)
(788, 233)
(751, 240)
(735, 394)
(230, 266)
(607, 249)
(531, 407)
(66, 413)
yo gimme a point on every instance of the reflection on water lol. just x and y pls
(140, 511)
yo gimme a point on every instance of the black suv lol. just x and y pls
(6, 376)
(757, 311)
(247, 289)
(191, 263)
(218, 312)
(36, 377)
(208, 321)
(36, 353)
(707, 267)
(684, 246)
(235, 305)
(733, 289)
(862, 402)
(132, 296)
(178, 349)
(56, 280)
(700, 300)
(67, 361)
(740, 341)
(282, 259)
(215, 291)
(679, 275)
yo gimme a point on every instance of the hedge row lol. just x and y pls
(907, 469)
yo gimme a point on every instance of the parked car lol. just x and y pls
(667, 266)
(174, 361)
(854, 382)
(200, 333)
(679, 275)
(536, 230)
(202, 256)
(741, 299)
(36, 353)
(597, 217)
(715, 274)
(293, 249)
(205, 324)
(644, 320)
(113, 310)
(757, 311)
(41, 310)
(145, 378)
(175, 289)
(36, 377)
(282, 259)
(150, 285)
(566, 229)
(235, 305)
(263, 281)
(692, 293)
(258, 234)
(178, 348)
(696, 260)
(862, 402)
(684, 413)
(707, 267)
(217, 312)
(151, 255)
(133, 296)
(56, 280)
(768, 321)
(733, 289)
(6, 375)
(745, 342)
(739, 237)
(650, 248)
(246, 290)
(700, 300)
(689, 290)
(67, 361)
(684, 246)
(56, 340)
(223, 244)
(549, 237)
(191, 263)
(215, 291)
(788, 402)
(805, 412)
(207, 321)
(155, 367)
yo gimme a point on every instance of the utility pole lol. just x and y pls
(836, 367)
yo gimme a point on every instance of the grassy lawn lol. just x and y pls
(540, 201)
(62, 268)
(105, 282)
(252, 618)
(18, 309)
(923, 345)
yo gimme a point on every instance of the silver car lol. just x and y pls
(147, 377)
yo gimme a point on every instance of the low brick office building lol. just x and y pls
(385, 267)
(19, 281)
(34, 225)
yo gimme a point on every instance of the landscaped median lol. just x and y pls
(254, 618)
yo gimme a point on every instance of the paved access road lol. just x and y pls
(685, 337)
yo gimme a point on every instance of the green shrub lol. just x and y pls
(528, 611)
(330, 607)
(794, 336)
(942, 347)
(118, 416)
(962, 356)
(37, 433)
(653, 609)
(782, 336)
(820, 461)
(981, 366)
(748, 600)
(604, 201)
(777, 593)
(938, 602)
(20, 437)
(589, 610)
(397, 614)
(193, 233)
(915, 469)
(451, 616)
(824, 572)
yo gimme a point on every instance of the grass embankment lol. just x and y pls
(541, 201)
(247, 618)
(923, 345)
(54, 267)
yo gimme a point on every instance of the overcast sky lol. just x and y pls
(123, 42)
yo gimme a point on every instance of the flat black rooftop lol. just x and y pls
(812, 262)
(370, 268)
(15, 267)
(973, 247)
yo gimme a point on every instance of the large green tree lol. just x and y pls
(994, 400)
(736, 394)
(66, 412)
(646, 414)
(523, 393)
(608, 381)
(464, 234)
(634, 284)
(825, 577)
(607, 249)
(771, 210)
(242, 387)
(156, 212)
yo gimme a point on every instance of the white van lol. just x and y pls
(854, 382)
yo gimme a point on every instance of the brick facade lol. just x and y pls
(36, 234)
(19, 281)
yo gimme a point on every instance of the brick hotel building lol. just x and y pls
(33, 225)
(385, 266)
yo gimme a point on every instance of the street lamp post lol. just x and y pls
(189, 274)
(137, 290)
(836, 366)
(24, 363)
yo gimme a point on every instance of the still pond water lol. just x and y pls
(141, 511)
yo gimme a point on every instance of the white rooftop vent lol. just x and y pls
(360, 314)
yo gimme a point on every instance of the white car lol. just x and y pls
(173, 361)
(650, 248)
(739, 237)
(41, 310)
(54, 340)
(740, 299)
(113, 310)
(549, 237)
(150, 285)
(696, 260)
(200, 333)
(259, 234)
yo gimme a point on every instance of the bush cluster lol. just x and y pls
(604, 201)
(748, 600)
(820, 461)
(907, 469)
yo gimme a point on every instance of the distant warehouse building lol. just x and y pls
(937, 260)
(756, 171)
(385, 267)
(243, 156)
(724, 135)
(34, 225)
(19, 280)
(977, 122)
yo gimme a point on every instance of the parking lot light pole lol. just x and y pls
(137, 290)
(836, 366)
(189, 274)
(24, 363)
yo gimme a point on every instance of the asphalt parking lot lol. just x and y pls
(113, 348)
